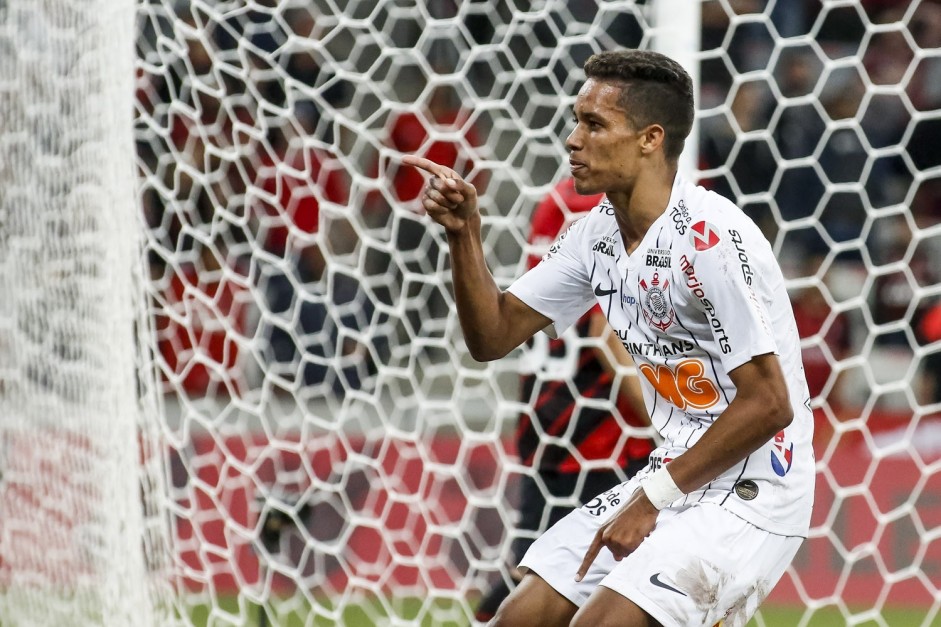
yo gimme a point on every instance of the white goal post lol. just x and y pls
(72, 528)
(233, 387)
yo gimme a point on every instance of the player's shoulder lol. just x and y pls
(709, 218)
(588, 229)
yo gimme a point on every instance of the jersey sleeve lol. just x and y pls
(722, 268)
(558, 286)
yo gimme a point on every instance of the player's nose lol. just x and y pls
(573, 141)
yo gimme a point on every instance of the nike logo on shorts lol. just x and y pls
(655, 580)
(600, 292)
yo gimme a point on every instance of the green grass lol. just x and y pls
(445, 613)
(776, 616)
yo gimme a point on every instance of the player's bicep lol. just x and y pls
(761, 382)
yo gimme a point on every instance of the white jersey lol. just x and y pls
(701, 295)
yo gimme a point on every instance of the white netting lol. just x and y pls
(334, 456)
(71, 523)
(308, 347)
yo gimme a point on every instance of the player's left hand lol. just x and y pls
(623, 532)
(448, 199)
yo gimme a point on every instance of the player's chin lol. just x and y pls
(585, 186)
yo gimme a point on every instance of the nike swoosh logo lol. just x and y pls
(655, 580)
(601, 292)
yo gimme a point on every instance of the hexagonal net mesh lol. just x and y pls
(334, 456)
(71, 522)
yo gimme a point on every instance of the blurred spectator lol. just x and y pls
(204, 324)
(306, 337)
(894, 292)
(815, 320)
(929, 332)
(419, 133)
(749, 161)
(558, 378)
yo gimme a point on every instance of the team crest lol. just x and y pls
(657, 309)
(703, 236)
(782, 455)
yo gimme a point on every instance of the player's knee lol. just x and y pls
(606, 608)
(512, 614)
(533, 602)
(515, 611)
(612, 619)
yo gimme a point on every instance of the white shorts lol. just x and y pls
(700, 565)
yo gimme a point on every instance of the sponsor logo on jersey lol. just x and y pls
(657, 462)
(605, 246)
(600, 504)
(558, 242)
(782, 454)
(658, 258)
(684, 385)
(747, 272)
(696, 287)
(657, 309)
(647, 349)
(599, 292)
(627, 298)
(681, 219)
(703, 236)
(748, 275)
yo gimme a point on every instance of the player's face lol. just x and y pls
(603, 147)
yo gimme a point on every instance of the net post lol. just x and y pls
(677, 25)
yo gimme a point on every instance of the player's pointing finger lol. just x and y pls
(429, 166)
(590, 556)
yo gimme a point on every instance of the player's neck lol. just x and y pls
(637, 209)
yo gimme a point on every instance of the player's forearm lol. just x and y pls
(761, 408)
(477, 296)
(744, 427)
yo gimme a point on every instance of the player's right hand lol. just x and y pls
(623, 532)
(448, 199)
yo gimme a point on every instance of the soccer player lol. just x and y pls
(558, 377)
(693, 290)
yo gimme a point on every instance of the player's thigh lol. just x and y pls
(534, 602)
(702, 565)
(608, 608)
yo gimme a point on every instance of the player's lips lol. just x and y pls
(575, 166)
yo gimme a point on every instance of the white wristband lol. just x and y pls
(661, 489)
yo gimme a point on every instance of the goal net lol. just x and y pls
(71, 424)
(313, 444)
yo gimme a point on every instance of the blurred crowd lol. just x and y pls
(258, 178)
(837, 162)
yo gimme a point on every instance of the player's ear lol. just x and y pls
(651, 139)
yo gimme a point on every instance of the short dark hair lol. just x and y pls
(657, 91)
